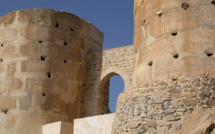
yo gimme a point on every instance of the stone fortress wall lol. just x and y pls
(101, 66)
(173, 70)
(43, 68)
(53, 69)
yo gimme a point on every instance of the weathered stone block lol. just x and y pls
(150, 123)
(177, 95)
(132, 124)
(141, 129)
(171, 118)
(35, 84)
(190, 102)
(162, 123)
(175, 90)
(11, 69)
(9, 51)
(162, 130)
(192, 95)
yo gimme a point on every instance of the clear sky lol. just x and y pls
(113, 17)
(117, 86)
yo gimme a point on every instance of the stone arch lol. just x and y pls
(103, 89)
(122, 73)
(116, 61)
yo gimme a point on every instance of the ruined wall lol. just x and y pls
(43, 68)
(173, 70)
(101, 66)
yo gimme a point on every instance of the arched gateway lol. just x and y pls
(101, 67)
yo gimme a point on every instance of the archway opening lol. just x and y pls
(116, 87)
(109, 89)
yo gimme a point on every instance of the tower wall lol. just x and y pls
(173, 70)
(43, 68)
(175, 37)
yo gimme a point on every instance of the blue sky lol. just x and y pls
(113, 17)
(116, 87)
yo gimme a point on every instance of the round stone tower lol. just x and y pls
(42, 68)
(173, 70)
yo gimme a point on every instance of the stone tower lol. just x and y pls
(173, 70)
(52, 68)
(43, 67)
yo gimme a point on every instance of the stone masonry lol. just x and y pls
(43, 66)
(101, 66)
(162, 107)
(173, 71)
(53, 69)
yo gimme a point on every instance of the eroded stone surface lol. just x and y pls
(173, 70)
(52, 68)
(42, 68)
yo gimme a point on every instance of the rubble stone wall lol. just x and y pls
(101, 66)
(163, 106)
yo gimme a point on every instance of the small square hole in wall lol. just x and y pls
(174, 33)
(175, 55)
(209, 52)
(71, 29)
(213, 2)
(43, 58)
(150, 63)
(159, 13)
(174, 79)
(5, 111)
(65, 43)
(57, 25)
(185, 6)
(49, 75)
